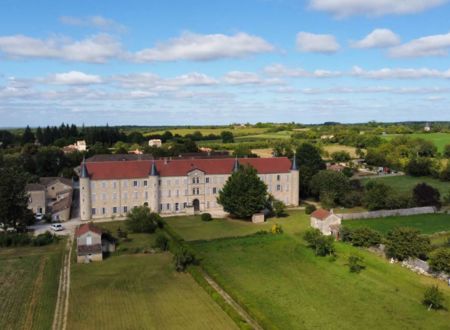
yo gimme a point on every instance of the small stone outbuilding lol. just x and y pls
(326, 221)
(92, 243)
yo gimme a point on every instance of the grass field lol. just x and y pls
(439, 139)
(280, 281)
(29, 278)
(426, 223)
(406, 183)
(140, 291)
(193, 228)
(265, 136)
(330, 148)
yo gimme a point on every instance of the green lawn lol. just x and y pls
(193, 228)
(426, 223)
(280, 281)
(407, 183)
(439, 139)
(140, 291)
(265, 136)
(29, 279)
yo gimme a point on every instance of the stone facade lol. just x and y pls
(327, 222)
(174, 187)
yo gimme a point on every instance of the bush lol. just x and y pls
(365, 237)
(426, 195)
(355, 263)
(345, 234)
(182, 258)
(141, 220)
(322, 245)
(206, 217)
(14, 239)
(279, 208)
(44, 239)
(276, 229)
(162, 242)
(433, 298)
(439, 260)
(403, 243)
(310, 208)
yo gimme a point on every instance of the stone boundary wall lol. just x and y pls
(388, 213)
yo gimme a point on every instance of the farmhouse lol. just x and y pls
(327, 222)
(180, 186)
(92, 243)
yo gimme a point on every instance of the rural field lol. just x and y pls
(237, 131)
(426, 223)
(439, 139)
(302, 291)
(330, 148)
(135, 290)
(406, 183)
(29, 278)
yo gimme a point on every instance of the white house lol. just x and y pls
(155, 143)
(327, 222)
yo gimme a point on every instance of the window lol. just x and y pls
(103, 210)
(93, 211)
(103, 184)
(168, 193)
(92, 185)
(193, 180)
(125, 195)
(278, 177)
(207, 180)
(136, 195)
(104, 196)
(125, 209)
(146, 195)
(195, 191)
(114, 209)
(145, 183)
(184, 205)
(177, 207)
(185, 192)
(114, 184)
(207, 205)
(177, 182)
(125, 184)
(278, 187)
(88, 240)
(160, 207)
(214, 190)
(93, 197)
(114, 196)
(168, 206)
(178, 193)
(135, 183)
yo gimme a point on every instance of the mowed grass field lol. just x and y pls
(406, 183)
(217, 130)
(140, 291)
(284, 285)
(426, 223)
(439, 139)
(330, 148)
(29, 279)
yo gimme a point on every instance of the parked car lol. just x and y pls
(39, 216)
(56, 227)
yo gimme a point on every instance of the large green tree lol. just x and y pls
(13, 198)
(310, 162)
(330, 187)
(244, 193)
(403, 243)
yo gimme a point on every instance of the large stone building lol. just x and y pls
(112, 188)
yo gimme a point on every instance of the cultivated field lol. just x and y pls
(280, 281)
(426, 223)
(439, 139)
(406, 183)
(330, 148)
(216, 130)
(140, 291)
(29, 278)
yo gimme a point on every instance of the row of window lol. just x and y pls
(114, 210)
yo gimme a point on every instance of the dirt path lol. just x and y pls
(35, 295)
(62, 302)
(232, 303)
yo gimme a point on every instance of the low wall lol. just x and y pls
(388, 213)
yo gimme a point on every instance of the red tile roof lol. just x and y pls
(83, 229)
(321, 214)
(180, 167)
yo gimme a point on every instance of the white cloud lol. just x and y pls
(434, 45)
(279, 70)
(316, 43)
(197, 47)
(73, 78)
(378, 38)
(96, 49)
(99, 22)
(400, 73)
(345, 8)
(192, 79)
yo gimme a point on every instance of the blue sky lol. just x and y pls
(218, 62)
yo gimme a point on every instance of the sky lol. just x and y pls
(204, 62)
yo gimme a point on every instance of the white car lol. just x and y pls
(39, 216)
(56, 227)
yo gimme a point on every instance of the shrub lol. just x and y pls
(403, 243)
(433, 298)
(426, 195)
(355, 263)
(206, 217)
(439, 260)
(310, 208)
(276, 229)
(182, 258)
(121, 233)
(345, 234)
(365, 237)
(279, 208)
(14, 239)
(44, 239)
(162, 242)
(141, 220)
(322, 245)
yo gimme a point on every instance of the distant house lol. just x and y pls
(326, 221)
(427, 127)
(335, 167)
(51, 195)
(155, 143)
(78, 146)
(92, 243)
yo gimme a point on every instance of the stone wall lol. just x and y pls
(388, 213)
